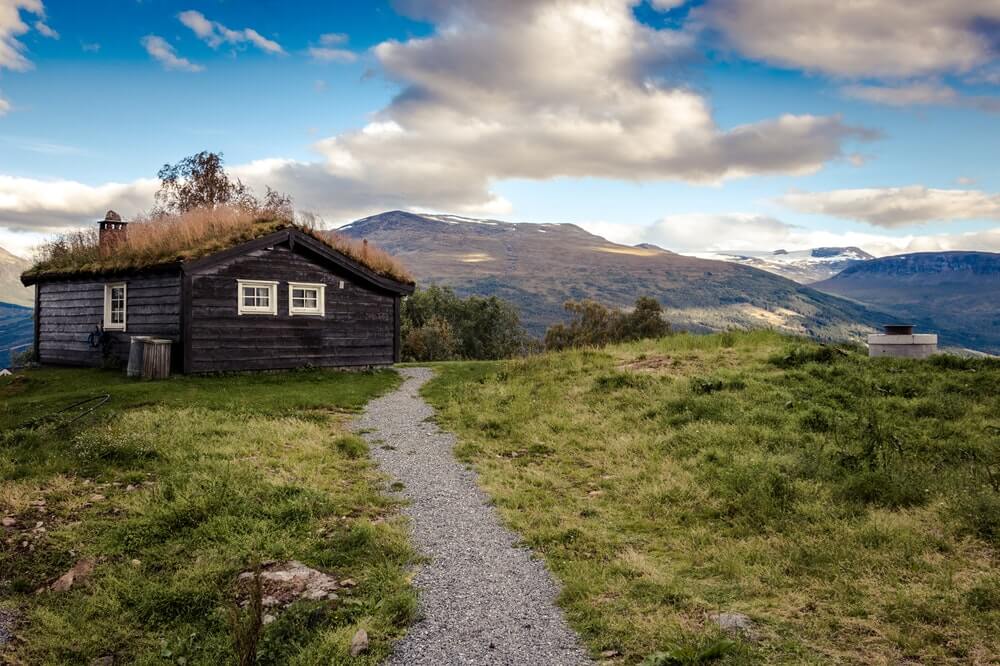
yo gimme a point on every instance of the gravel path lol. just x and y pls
(483, 600)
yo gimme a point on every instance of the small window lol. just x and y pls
(258, 297)
(306, 299)
(114, 306)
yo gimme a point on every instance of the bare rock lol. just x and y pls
(79, 573)
(359, 643)
(285, 582)
(8, 521)
(736, 624)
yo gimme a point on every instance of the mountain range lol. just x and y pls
(11, 289)
(956, 294)
(803, 266)
(540, 266)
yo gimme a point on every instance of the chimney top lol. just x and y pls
(112, 216)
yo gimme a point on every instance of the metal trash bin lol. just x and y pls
(155, 358)
(135, 355)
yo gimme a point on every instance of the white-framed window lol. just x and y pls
(305, 298)
(115, 306)
(257, 297)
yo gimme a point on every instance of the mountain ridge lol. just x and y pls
(955, 293)
(539, 266)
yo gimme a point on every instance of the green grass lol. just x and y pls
(849, 506)
(200, 478)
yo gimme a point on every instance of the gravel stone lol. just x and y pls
(483, 598)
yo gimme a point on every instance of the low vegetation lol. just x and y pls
(849, 507)
(596, 325)
(161, 497)
(438, 325)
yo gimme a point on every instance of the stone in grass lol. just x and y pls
(359, 643)
(736, 624)
(284, 582)
(79, 573)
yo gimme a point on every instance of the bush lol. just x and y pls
(438, 325)
(596, 325)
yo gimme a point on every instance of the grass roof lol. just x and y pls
(161, 240)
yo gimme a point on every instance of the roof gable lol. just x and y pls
(306, 245)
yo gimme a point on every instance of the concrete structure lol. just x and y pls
(899, 341)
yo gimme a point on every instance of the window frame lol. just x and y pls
(318, 311)
(270, 310)
(109, 325)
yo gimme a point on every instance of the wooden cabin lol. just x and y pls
(285, 299)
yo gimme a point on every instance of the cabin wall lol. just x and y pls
(359, 328)
(68, 311)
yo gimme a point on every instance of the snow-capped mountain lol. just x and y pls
(803, 266)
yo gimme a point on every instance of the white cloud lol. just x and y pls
(329, 49)
(866, 38)
(904, 95)
(46, 31)
(898, 206)
(90, 47)
(921, 93)
(42, 206)
(4, 107)
(165, 54)
(490, 96)
(12, 25)
(215, 34)
(707, 233)
(327, 54)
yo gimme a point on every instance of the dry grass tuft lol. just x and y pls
(156, 240)
(366, 254)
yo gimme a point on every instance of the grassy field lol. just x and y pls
(850, 507)
(172, 489)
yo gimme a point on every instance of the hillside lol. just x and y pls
(540, 266)
(840, 508)
(956, 294)
(11, 289)
(803, 266)
(16, 329)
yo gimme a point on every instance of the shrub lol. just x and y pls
(596, 325)
(438, 325)
(799, 355)
(978, 513)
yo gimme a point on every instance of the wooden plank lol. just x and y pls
(37, 316)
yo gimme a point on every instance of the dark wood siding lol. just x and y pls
(68, 311)
(357, 330)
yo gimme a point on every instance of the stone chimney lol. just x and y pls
(113, 231)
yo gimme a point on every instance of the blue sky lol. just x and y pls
(700, 126)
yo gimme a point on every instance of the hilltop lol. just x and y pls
(841, 509)
(540, 266)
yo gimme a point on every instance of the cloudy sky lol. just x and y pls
(704, 125)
